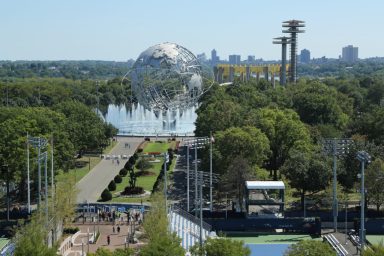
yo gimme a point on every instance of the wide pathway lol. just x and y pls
(91, 186)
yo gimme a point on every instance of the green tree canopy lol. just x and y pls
(307, 171)
(374, 183)
(310, 247)
(221, 247)
(285, 132)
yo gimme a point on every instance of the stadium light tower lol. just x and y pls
(336, 147)
(364, 158)
(293, 28)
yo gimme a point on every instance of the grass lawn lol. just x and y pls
(146, 182)
(156, 147)
(274, 238)
(79, 173)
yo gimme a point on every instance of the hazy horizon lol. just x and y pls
(120, 30)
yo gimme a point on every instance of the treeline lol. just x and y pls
(87, 69)
(73, 126)
(263, 132)
(339, 68)
(34, 92)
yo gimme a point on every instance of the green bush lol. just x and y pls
(112, 186)
(123, 172)
(106, 195)
(70, 230)
(118, 179)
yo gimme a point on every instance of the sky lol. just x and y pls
(121, 29)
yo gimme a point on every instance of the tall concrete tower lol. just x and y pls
(293, 28)
(283, 41)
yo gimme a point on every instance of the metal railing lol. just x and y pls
(190, 217)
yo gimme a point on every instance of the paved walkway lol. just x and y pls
(346, 244)
(91, 186)
(117, 240)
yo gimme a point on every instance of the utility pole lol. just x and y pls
(6, 167)
(187, 177)
(210, 172)
(28, 178)
(166, 159)
(196, 178)
(52, 172)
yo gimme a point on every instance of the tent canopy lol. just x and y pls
(257, 184)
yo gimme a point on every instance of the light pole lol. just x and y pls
(196, 143)
(6, 167)
(187, 177)
(336, 147)
(364, 158)
(166, 160)
(210, 172)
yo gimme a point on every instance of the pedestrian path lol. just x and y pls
(341, 243)
(91, 186)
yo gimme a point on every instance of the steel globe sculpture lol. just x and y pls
(167, 76)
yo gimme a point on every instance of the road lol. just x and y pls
(90, 186)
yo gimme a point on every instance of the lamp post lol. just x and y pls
(197, 143)
(6, 167)
(364, 158)
(166, 160)
(335, 147)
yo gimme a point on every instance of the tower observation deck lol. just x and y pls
(293, 27)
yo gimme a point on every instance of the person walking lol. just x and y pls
(118, 229)
(113, 229)
(108, 240)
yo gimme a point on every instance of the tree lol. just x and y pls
(221, 247)
(285, 132)
(218, 116)
(310, 247)
(307, 172)
(374, 183)
(143, 164)
(161, 241)
(30, 239)
(85, 127)
(237, 173)
(316, 103)
(374, 250)
(247, 142)
(118, 252)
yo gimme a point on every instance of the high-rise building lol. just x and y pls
(234, 59)
(201, 57)
(350, 53)
(251, 59)
(214, 58)
(305, 56)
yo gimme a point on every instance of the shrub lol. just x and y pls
(70, 230)
(135, 156)
(123, 172)
(139, 150)
(112, 186)
(118, 179)
(132, 160)
(133, 191)
(106, 195)
(128, 166)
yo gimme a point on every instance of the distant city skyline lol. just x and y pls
(120, 30)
